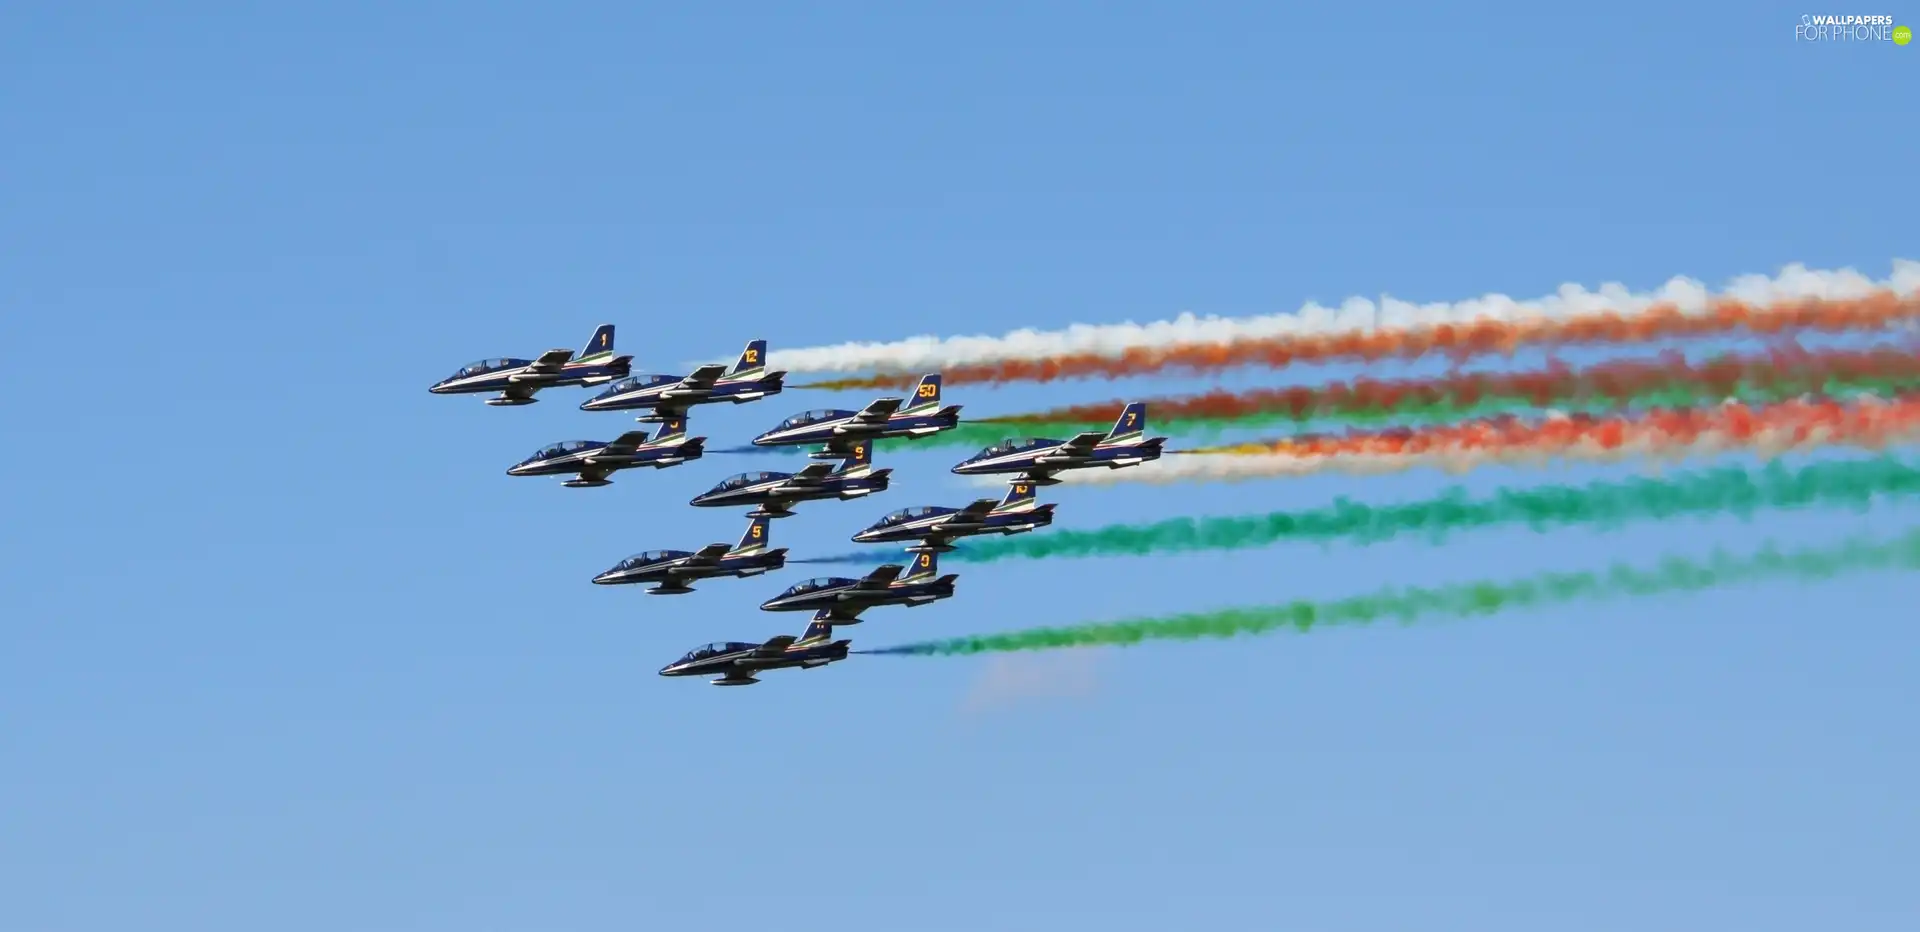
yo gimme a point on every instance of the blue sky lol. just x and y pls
(285, 647)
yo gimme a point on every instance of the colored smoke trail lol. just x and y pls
(1670, 576)
(1798, 299)
(1768, 430)
(1602, 504)
(1669, 381)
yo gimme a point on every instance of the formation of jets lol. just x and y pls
(846, 436)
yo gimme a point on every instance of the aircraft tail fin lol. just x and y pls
(1020, 497)
(673, 429)
(1130, 426)
(752, 363)
(755, 538)
(600, 347)
(926, 395)
(859, 461)
(925, 566)
(818, 632)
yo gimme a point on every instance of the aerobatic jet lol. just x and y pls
(670, 570)
(839, 600)
(934, 529)
(736, 662)
(591, 461)
(517, 379)
(664, 396)
(837, 430)
(1037, 459)
(775, 493)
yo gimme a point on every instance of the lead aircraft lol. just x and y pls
(665, 396)
(518, 379)
(837, 430)
(736, 662)
(1037, 459)
(933, 529)
(594, 460)
(839, 600)
(671, 570)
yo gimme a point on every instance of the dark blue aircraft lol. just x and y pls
(776, 492)
(593, 460)
(665, 396)
(671, 570)
(838, 600)
(838, 430)
(736, 662)
(934, 529)
(518, 379)
(1037, 459)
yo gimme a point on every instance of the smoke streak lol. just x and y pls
(1798, 299)
(1672, 575)
(1603, 504)
(1768, 430)
(1669, 381)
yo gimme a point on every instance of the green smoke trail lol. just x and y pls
(977, 434)
(1603, 504)
(1672, 575)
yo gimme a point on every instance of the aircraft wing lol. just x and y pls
(974, 511)
(840, 446)
(812, 474)
(775, 646)
(875, 413)
(707, 556)
(626, 443)
(881, 577)
(550, 361)
(703, 377)
(1079, 448)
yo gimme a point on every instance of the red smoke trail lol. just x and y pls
(1788, 424)
(1459, 341)
(1618, 381)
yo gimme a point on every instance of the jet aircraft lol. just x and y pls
(518, 379)
(1037, 459)
(593, 460)
(838, 600)
(837, 429)
(933, 529)
(665, 396)
(775, 493)
(736, 662)
(671, 570)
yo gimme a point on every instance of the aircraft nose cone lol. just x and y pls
(603, 579)
(438, 388)
(518, 470)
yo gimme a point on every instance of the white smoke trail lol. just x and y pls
(929, 353)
